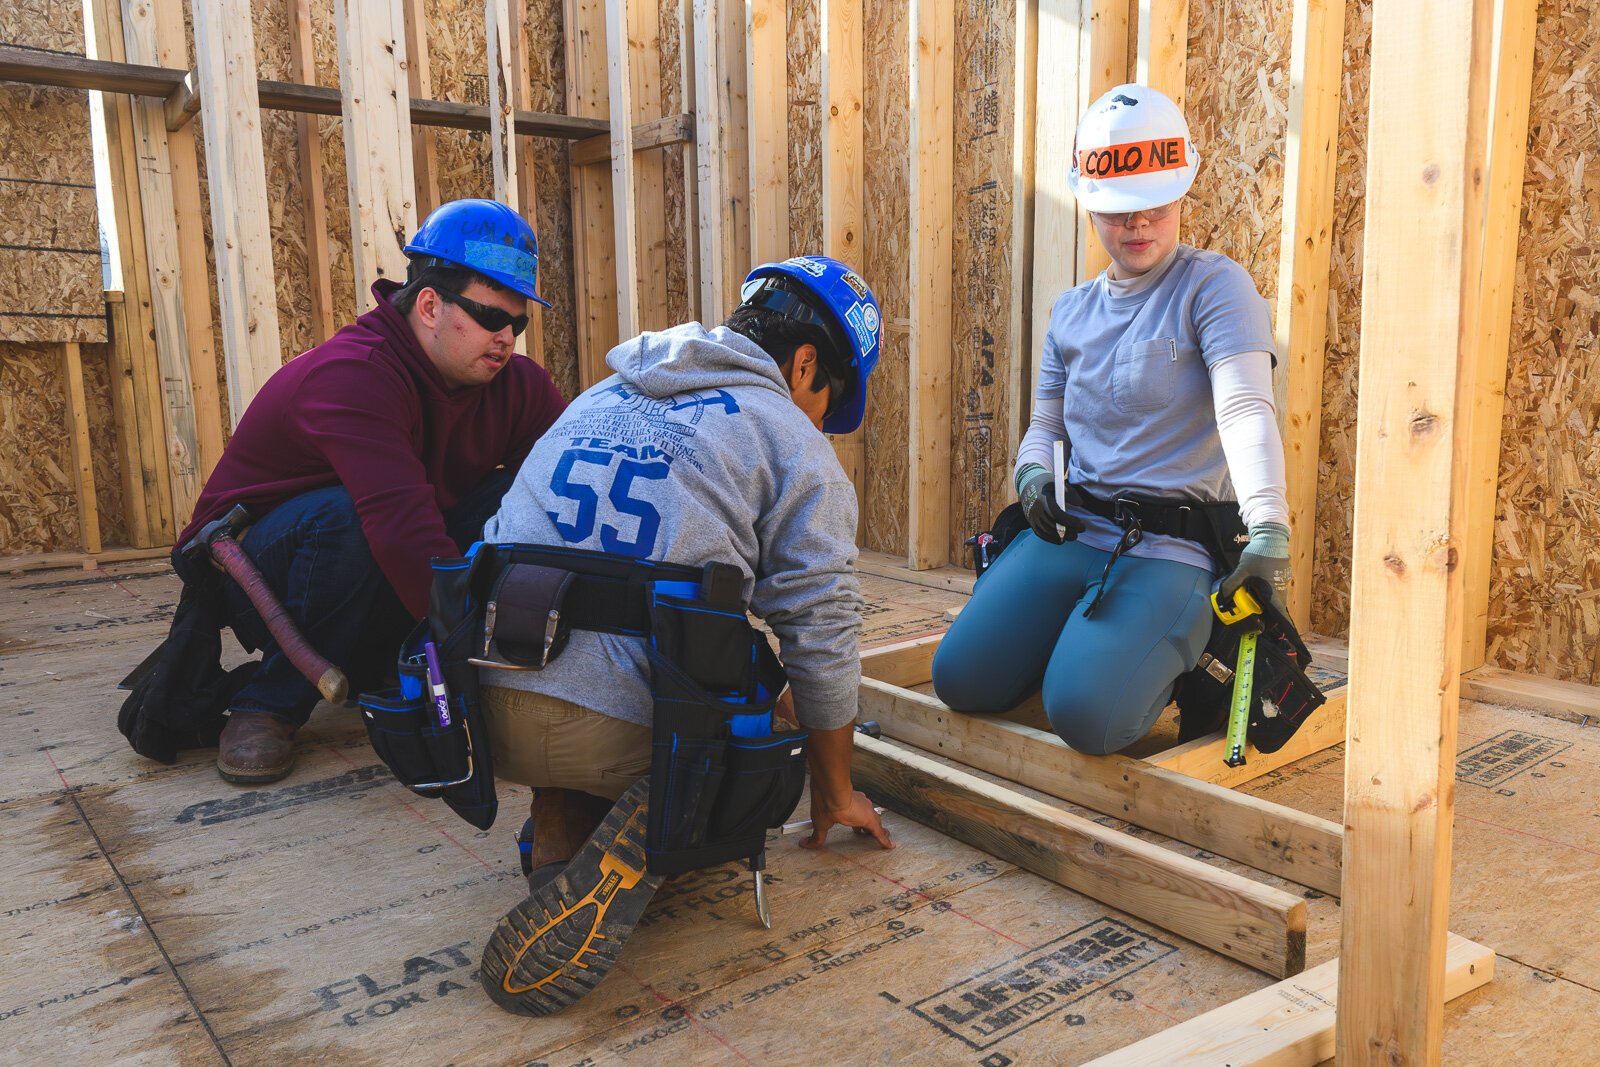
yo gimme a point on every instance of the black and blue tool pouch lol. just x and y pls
(720, 774)
(1283, 696)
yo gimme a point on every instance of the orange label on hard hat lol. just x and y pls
(1135, 157)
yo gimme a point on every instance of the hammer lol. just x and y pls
(219, 539)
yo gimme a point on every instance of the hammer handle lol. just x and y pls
(329, 680)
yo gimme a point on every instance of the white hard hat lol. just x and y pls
(1132, 152)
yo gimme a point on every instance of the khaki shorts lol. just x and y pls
(547, 742)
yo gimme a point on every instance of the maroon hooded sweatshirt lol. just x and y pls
(368, 410)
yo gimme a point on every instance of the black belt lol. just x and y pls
(1189, 519)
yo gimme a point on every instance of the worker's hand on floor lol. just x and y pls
(859, 815)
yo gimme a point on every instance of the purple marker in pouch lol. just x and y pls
(441, 702)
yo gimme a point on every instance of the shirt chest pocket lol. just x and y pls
(1144, 375)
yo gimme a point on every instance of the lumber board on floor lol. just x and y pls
(904, 663)
(1283, 1025)
(1203, 757)
(1254, 924)
(1269, 837)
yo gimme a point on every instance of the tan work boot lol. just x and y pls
(255, 748)
(559, 822)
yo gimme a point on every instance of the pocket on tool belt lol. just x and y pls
(1284, 697)
(761, 783)
(685, 776)
(406, 735)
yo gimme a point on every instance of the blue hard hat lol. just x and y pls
(839, 300)
(485, 236)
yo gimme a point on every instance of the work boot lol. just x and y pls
(559, 822)
(557, 945)
(255, 747)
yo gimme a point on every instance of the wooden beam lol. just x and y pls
(153, 483)
(594, 247)
(308, 143)
(1018, 382)
(173, 51)
(40, 561)
(716, 286)
(1426, 214)
(504, 162)
(1266, 836)
(72, 72)
(649, 169)
(879, 564)
(1103, 65)
(1316, 72)
(241, 241)
(377, 140)
(1163, 56)
(1204, 757)
(165, 280)
(656, 133)
(733, 87)
(1507, 153)
(521, 75)
(932, 71)
(1058, 103)
(767, 69)
(904, 663)
(419, 79)
(1290, 1024)
(82, 450)
(843, 173)
(1252, 923)
(125, 417)
(619, 83)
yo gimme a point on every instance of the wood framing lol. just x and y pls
(843, 168)
(1102, 65)
(1203, 757)
(1290, 1024)
(241, 240)
(767, 68)
(308, 142)
(1425, 222)
(1507, 143)
(119, 364)
(376, 103)
(527, 183)
(504, 163)
(1267, 836)
(902, 664)
(932, 73)
(148, 488)
(1252, 923)
(649, 205)
(163, 261)
(1316, 71)
(1019, 383)
(1163, 47)
(622, 167)
(1057, 104)
(82, 450)
(419, 78)
(715, 292)
(594, 247)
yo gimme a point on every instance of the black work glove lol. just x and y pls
(1036, 492)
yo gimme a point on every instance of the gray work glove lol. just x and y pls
(1266, 556)
(1036, 492)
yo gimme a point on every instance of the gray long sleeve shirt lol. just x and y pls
(693, 452)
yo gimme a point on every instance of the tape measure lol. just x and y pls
(1244, 672)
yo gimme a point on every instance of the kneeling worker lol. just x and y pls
(705, 447)
(357, 462)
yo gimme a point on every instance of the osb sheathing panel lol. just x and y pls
(886, 264)
(1544, 613)
(38, 504)
(805, 126)
(984, 97)
(1336, 479)
(50, 281)
(1238, 95)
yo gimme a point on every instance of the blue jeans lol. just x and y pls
(313, 554)
(1104, 678)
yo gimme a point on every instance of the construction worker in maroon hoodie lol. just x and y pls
(360, 460)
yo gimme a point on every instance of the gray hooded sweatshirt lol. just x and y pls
(693, 452)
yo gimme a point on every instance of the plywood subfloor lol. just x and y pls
(159, 915)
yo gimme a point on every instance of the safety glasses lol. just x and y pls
(492, 319)
(788, 299)
(1122, 218)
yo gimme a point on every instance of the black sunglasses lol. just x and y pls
(492, 319)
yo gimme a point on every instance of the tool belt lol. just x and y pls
(720, 777)
(1282, 696)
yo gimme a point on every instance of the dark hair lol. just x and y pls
(429, 272)
(780, 336)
